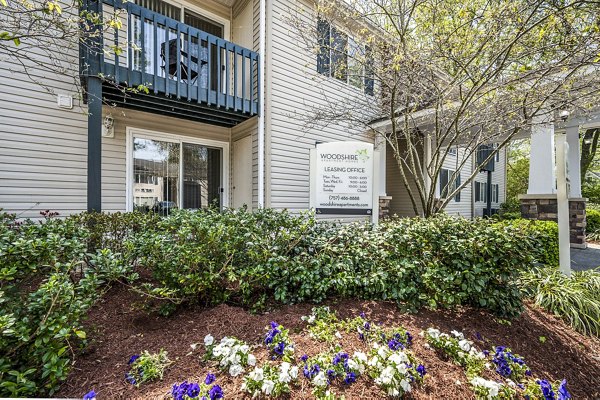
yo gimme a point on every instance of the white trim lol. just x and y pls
(262, 41)
(130, 132)
(199, 10)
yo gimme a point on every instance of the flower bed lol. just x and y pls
(349, 365)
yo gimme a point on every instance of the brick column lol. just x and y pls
(544, 208)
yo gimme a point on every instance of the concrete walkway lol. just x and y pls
(582, 259)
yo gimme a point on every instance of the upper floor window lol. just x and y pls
(445, 185)
(341, 57)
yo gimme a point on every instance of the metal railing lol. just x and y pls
(173, 59)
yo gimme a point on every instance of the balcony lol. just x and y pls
(188, 73)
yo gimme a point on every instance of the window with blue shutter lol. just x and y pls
(323, 58)
(456, 186)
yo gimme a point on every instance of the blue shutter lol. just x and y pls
(477, 191)
(339, 55)
(369, 75)
(443, 183)
(457, 184)
(323, 56)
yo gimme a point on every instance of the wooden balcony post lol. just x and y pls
(94, 96)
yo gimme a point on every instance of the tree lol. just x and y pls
(589, 150)
(43, 39)
(517, 170)
(452, 73)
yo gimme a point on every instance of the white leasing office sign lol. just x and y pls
(342, 178)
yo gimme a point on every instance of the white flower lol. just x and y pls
(267, 387)
(311, 319)
(251, 360)
(405, 384)
(433, 333)
(294, 372)
(493, 388)
(320, 379)
(387, 375)
(208, 340)
(458, 334)
(235, 370)
(398, 358)
(359, 355)
(353, 365)
(193, 346)
(464, 344)
(244, 348)
(382, 352)
(374, 361)
(338, 335)
(393, 392)
(284, 377)
(285, 366)
(401, 368)
(257, 374)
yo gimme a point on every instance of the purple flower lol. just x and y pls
(193, 390)
(180, 390)
(350, 378)
(421, 370)
(528, 372)
(215, 392)
(129, 378)
(395, 345)
(367, 325)
(478, 336)
(563, 393)
(362, 315)
(547, 391)
(133, 358)
(274, 324)
(91, 395)
(304, 357)
(361, 336)
(279, 348)
(330, 375)
(210, 378)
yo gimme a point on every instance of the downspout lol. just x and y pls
(261, 115)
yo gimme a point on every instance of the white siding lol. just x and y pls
(499, 178)
(452, 162)
(293, 86)
(43, 148)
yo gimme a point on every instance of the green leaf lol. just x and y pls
(17, 41)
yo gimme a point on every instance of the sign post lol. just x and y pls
(562, 198)
(342, 178)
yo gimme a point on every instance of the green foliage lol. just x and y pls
(593, 221)
(148, 367)
(517, 172)
(249, 258)
(575, 299)
(545, 236)
(47, 285)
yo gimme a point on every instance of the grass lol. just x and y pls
(575, 299)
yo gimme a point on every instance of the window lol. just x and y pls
(445, 187)
(176, 173)
(341, 57)
(480, 191)
(495, 193)
(452, 151)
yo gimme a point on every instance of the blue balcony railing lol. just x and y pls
(178, 61)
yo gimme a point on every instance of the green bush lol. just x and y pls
(575, 299)
(251, 258)
(593, 221)
(544, 236)
(47, 285)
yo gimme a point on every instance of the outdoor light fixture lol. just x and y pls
(564, 115)
(108, 127)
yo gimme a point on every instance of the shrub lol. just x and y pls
(593, 221)
(576, 299)
(47, 285)
(249, 258)
(544, 237)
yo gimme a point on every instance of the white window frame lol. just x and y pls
(131, 132)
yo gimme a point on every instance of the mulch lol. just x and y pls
(118, 328)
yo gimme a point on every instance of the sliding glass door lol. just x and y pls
(171, 174)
